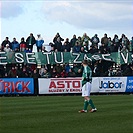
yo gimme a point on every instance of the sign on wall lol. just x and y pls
(16, 86)
(73, 85)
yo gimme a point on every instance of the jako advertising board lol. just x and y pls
(16, 86)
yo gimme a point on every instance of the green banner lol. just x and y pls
(62, 57)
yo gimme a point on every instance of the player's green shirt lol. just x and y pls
(86, 75)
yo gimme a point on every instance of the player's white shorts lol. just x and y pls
(86, 89)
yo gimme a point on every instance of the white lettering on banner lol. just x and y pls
(30, 58)
(3, 58)
(77, 57)
(125, 58)
(55, 55)
(47, 56)
(87, 58)
(96, 57)
(104, 55)
(19, 58)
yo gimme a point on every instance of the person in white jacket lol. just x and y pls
(7, 48)
(39, 43)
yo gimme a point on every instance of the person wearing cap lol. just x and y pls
(39, 42)
(7, 48)
(86, 87)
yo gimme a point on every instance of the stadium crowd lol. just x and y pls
(80, 44)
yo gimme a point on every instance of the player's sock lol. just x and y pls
(85, 104)
(90, 102)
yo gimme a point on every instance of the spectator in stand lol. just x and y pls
(67, 67)
(104, 40)
(64, 74)
(102, 48)
(91, 50)
(13, 73)
(71, 73)
(24, 73)
(30, 41)
(66, 46)
(58, 68)
(128, 71)
(110, 43)
(15, 45)
(124, 48)
(85, 45)
(7, 48)
(131, 44)
(95, 40)
(39, 42)
(86, 39)
(52, 47)
(28, 69)
(44, 49)
(6, 41)
(127, 43)
(116, 41)
(73, 41)
(57, 36)
(95, 49)
(23, 45)
(45, 74)
(2, 71)
(79, 40)
(113, 48)
(110, 72)
(35, 74)
(124, 41)
(55, 74)
(76, 48)
(27, 50)
(58, 44)
(76, 69)
(96, 70)
(119, 71)
(82, 50)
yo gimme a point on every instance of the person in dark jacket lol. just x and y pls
(30, 41)
(58, 44)
(73, 41)
(128, 71)
(6, 41)
(23, 44)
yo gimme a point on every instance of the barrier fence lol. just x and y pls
(30, 86)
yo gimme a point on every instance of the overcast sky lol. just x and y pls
(19, 18)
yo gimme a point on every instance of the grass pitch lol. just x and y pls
(59, 114)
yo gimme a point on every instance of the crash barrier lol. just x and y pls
(30, 86)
